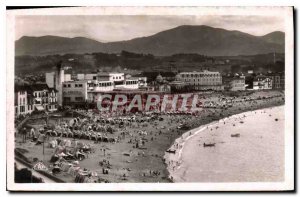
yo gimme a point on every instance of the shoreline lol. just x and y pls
(180, 142)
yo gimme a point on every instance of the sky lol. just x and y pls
(107, 28)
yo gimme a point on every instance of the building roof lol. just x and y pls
(275, 74)
(233, 77)
(78, 81)
(32, 88)
(261, 77)
(39, 87)
(53, 89)
(109, 73)
(132, 79)
(155, 73)
(201, 72)
(177, 83)
(126, 91)
(19, 88)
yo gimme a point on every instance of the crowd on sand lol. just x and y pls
(144, 135)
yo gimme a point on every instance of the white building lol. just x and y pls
(90, 76)
(35, 97)
(262, 82)
(74, 92)
(132, 83)
(234, 83)
(115, 77)
(52, 100)
(20, 101)
(89, 86)
(50, 79)
(142, 81)
(67, 77)
(100, 86)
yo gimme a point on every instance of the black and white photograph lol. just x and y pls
(150, 99)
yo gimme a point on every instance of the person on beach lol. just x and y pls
(23, 133)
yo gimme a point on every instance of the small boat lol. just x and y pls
(171, 151)
(209, 144)
(235, 135)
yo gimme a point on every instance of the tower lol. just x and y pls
(59, 79)
(50, 79)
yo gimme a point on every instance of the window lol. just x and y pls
(76, 85)
(69, 85)
(94, 78)
(22, 108)
(78, 99)
(65, 85)
(80, 85)
(67, 99)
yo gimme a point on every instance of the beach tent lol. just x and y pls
(40, 166)
(39, 108)
(80, 144)
(41, 138)
(59, 149)
(68, 143)
(71, 122)
(53, 144)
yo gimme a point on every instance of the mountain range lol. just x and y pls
(201, 39)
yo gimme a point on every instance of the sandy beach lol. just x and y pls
(127, 163)
(241, 152)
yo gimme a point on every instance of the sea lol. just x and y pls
(247, 147)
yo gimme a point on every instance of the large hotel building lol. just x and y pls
(205, 80)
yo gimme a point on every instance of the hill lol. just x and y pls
(276, 37)
(183, 39)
